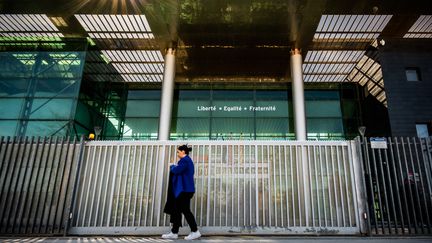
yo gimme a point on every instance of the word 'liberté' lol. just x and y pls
(236, 108)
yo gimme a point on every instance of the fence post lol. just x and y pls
(306, 185)
(360, 186)
(75, 186)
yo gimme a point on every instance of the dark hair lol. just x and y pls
(185, 148)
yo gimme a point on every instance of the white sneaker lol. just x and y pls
(170, 235)
(193, 235)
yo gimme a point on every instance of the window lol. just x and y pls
(422, 130)
(412, 74)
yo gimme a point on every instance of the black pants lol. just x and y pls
(183, 207)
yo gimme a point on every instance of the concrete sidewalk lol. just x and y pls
(221, 239)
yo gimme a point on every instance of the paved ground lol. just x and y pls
(220, 239)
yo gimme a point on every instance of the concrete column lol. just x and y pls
(298, 95)
(167, 96)
(300, 128)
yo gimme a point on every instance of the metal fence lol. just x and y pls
(36, 184)
(398, 181)
(242, 187)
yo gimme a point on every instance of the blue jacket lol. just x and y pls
(183, 178)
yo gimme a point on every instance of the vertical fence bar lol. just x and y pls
(4, 168)
(257, 220)
(359, 183)
(280, 187)
(220, 179)
(426, 162)
(413, 195)
(137, 186)
(323, 174)
(35, 225)
(148, 190)
(215, 179)
(387, 164)
(209, 185)
(404, 190)
(8, 181)
(269, 185)
(14, 203)
(373, 208)
(74, 188)
(119, 185)
(131, 177)
(126, 179)
(202, 184)
(333, 161)
(79, 205)
(380, 205)
(299, 189)
(273, 189)
(109, 177)
(155, 181)
(263, 186)
(315, 158)
(86, 183)
(309, 178)
(100, 174)
(339, 171)
(198, 165)
(306, 187)
(69, 178)
(286, 187)
(25, 192)
(114, 175)
(12, 175)
(34, 197)
(143, 186)
(55, 189)
(250, 185)
(396, 183)
(423, 197)
(225, 179)
(238, 185)
(384, 211)
(419, 193)
(160, 172)
(329, 184)
(95, 177)
(347, 171)
(90, 183)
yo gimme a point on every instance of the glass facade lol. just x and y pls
(44, 92)
(39, 87)
(103, 105)
(245, 114)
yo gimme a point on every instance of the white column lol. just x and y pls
(300, 128)
(167, 95)
(298, 95)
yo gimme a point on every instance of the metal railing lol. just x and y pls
(36, 184)
(256, 187)
(398, 181)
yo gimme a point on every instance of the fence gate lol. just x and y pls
(242, 187)
(398, 180)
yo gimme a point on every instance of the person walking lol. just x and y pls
(181, 189)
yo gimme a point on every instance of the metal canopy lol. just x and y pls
(27, 25)
(233, 40)
(422, 28)
(126, 32)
